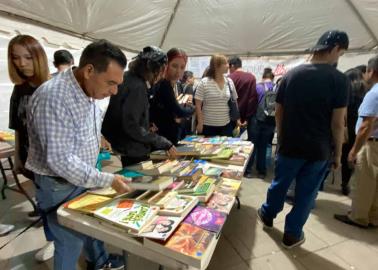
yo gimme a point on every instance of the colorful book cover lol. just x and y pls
(190, 240)
(204, 186)
(228, 186)
(127, 213)
(206, 218)
(176, 185)
(129, 174)
(221, 202)
(225, 153)
(214, 171)
(232, 174)
(161, 227)
(87, 203)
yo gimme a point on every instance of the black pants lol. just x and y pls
(346, 172)
(210, 131)
(127, 161)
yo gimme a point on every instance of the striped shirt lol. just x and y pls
(215, 108)
(64, 133)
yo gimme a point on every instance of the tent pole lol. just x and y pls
(362, 20)
(169, 23)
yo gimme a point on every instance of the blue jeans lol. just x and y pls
(308, 175)
(68, 243)
(261, 136)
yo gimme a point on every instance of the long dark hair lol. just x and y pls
(357, 84)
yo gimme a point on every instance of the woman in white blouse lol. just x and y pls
(211, 99)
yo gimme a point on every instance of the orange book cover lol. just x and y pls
(190, 240)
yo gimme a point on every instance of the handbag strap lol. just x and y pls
(229, 88)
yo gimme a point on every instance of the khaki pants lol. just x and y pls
(365, 195)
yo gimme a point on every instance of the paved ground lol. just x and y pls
(244, 245)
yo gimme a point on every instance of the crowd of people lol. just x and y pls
(322, 118)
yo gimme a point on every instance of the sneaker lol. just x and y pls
(289, 241)
(267, 222)
(5, 228)
(45, 253)
(114, 262)
(248, 175)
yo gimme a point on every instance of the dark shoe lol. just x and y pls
(345, 219)
(289, 199)
(268, 222)
(261, 175)
(289, 241)
(114, 262)
(248, 175)
(345, 190)
(371, 225)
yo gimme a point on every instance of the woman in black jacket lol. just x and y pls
(126, 124)
(166, 113)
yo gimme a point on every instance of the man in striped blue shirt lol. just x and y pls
(64, 134)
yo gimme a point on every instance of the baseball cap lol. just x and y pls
(330, 39)
(153, 54)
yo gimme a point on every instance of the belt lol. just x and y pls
(373, 139)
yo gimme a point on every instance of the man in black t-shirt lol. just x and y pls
(310, 109)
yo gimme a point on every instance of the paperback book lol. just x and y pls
(228, 186)
(189, 244)
(127, 213)
(87, 203)
(221, 202)
(161, 227)
(206, 218)
(179, 205)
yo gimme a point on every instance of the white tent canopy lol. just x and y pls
(200, 27)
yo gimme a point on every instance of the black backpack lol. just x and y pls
(266, 110)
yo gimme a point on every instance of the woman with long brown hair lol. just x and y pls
(28, 69)
(211, 98)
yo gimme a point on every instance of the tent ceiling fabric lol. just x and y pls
(201, 27)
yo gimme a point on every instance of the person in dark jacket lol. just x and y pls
(126, 124)
(166, 113)
(357, 92)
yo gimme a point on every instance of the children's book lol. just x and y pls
(161, 227)
(87, 203)
(221, 202)
(206, 218)
(127, 213)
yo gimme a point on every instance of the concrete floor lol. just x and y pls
(330, 245)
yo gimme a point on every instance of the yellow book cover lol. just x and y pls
(87, 202)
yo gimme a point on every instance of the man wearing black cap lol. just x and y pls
(310, 110)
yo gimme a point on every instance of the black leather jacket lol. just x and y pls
(126, 123)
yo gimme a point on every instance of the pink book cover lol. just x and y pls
(206, 218)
